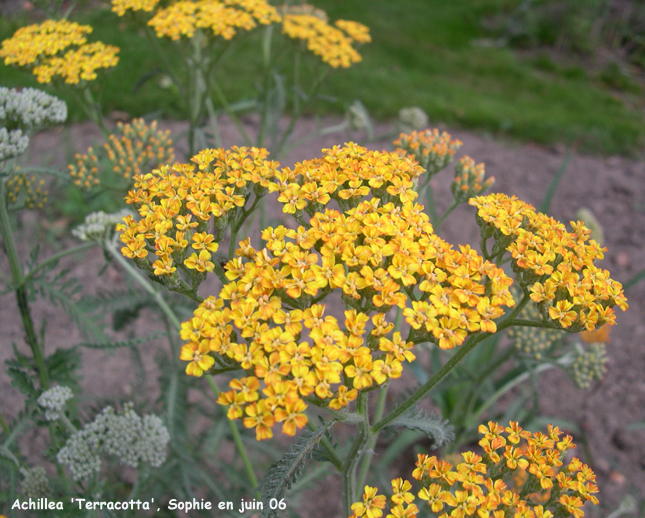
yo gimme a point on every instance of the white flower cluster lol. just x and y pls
(54, 400)
(12, 143)
(30, 108)
(128, 437)
(99, 225)
(35, 483)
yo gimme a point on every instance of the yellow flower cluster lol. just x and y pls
(223, 17)
(375, 256)
(523, 475)
(121, 6)
(135, 147)
(556, 265)
(176, 204)
(335, 45)
(32, 193)
(58, 48)
(469, 180)
(433, 150)
(347, 174)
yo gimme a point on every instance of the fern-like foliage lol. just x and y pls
(284, 473)
(432, 425)
(64, 291)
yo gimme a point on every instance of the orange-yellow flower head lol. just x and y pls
(333, 43)
(521, 474)
(555, 264)
(264, 321)
(222, 18)
(58, 48)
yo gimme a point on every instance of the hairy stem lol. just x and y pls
(354, 455)
(21, 291)
(145, 284)
(57, 257)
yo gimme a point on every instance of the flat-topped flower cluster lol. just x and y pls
(556, 265)
(378, 251)
(58, 48)
(522, 474)
(334, 44)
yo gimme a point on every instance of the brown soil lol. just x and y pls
(613, 188)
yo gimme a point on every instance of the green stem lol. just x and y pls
(423, 391)
(432, 209)
(234, 118)
(5, 426)
(445, 215)
(143, 282)
(91, 107)
(354, 455)
(67, 423)
(21, 290)
(266, 52)
(366, 461)
(212, 117)
(238, 443)
(279, 150)
(332, 454)
(56, 257)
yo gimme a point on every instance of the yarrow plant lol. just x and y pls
(308, 323)
(377, 251)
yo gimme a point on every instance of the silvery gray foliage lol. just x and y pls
(99, 225)
(131, 439)
(30, 108)
(54, 400)
(12, 143)
(35, 483)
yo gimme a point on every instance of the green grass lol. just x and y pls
(422, 54)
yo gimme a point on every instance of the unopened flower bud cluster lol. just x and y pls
(469, 180)
(131, 150)
(412, 118)
(129, 438)
(54, 400)
(35, 196)
(533, 341)
(590, 364)
(35, 483)
(99, 226)
(433, 150)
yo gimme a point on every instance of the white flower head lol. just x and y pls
(54, 400)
